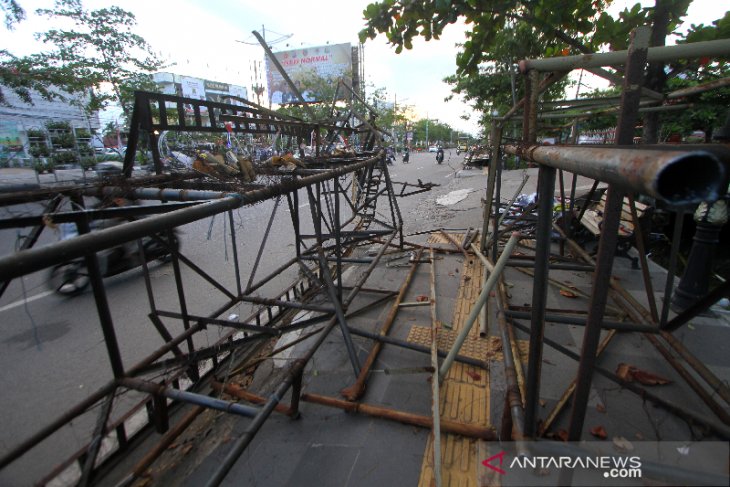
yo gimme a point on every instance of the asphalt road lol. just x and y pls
(52, 352)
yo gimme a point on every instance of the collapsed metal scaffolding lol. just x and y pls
(674, 175)
(351, 202)
(679, 176)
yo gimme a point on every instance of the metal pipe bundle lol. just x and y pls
(679, 178)
(27, 261)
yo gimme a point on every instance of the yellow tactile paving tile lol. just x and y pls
(464, 402)
(474, 347)
(437, 238)
(459, 462)
(464, 393)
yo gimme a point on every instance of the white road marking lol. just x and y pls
(22, 301)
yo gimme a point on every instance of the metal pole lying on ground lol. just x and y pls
(435, 397)
(356, 390)
(498, 267)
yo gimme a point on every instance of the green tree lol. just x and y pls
(430, 132)
(14, 13)
(386, 115)
(101, 47)
(710, 108)
(504, 32)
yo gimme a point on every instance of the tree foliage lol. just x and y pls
(502, 32)
(388, 116)
(402, 21)
(14, 13)
(100, 47)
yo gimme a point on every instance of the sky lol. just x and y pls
(202, 38)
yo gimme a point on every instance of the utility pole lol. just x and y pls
(426, 130)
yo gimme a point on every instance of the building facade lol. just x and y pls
(18, 119)
(199, 88)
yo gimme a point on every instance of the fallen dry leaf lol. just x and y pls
(624, 372)
(599, 432)
(639, 436)
(542, 402)
(630, 373)
(473, 375)
(622, 444)
(562, 434)
(422, 299)
(567, 294)
(186, 449)
(600, 408)
(649, 379)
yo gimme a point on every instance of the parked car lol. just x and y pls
(433, 148)
(109, 168)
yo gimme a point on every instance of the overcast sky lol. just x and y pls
(199, 38)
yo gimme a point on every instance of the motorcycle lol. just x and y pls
(389, 157)
(72, 278)
(439, 155)
(406, 156)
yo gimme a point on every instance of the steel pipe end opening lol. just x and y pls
(691, 178)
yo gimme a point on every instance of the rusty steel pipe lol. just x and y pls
(356, 390)
(447, 426)
(31, 260)
(675, 177)
(717, 48)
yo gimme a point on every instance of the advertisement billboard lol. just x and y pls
(192, 87)
(331, 61)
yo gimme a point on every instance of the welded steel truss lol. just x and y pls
(350, 202)
(677, 175)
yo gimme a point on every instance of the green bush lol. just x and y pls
(86, 150)
(82, 133)
(39, 151)
(39, 166)
(88, 163)
(36, 134)
(65, 141)
(110, 157)
(58, 126)
(64, 158)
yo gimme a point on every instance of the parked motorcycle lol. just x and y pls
(71, 278)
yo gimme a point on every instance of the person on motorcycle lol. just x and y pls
(389, 156)
(439, 155)
(405, 155)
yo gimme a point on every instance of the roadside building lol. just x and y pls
(39, 130)
(199, 88)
